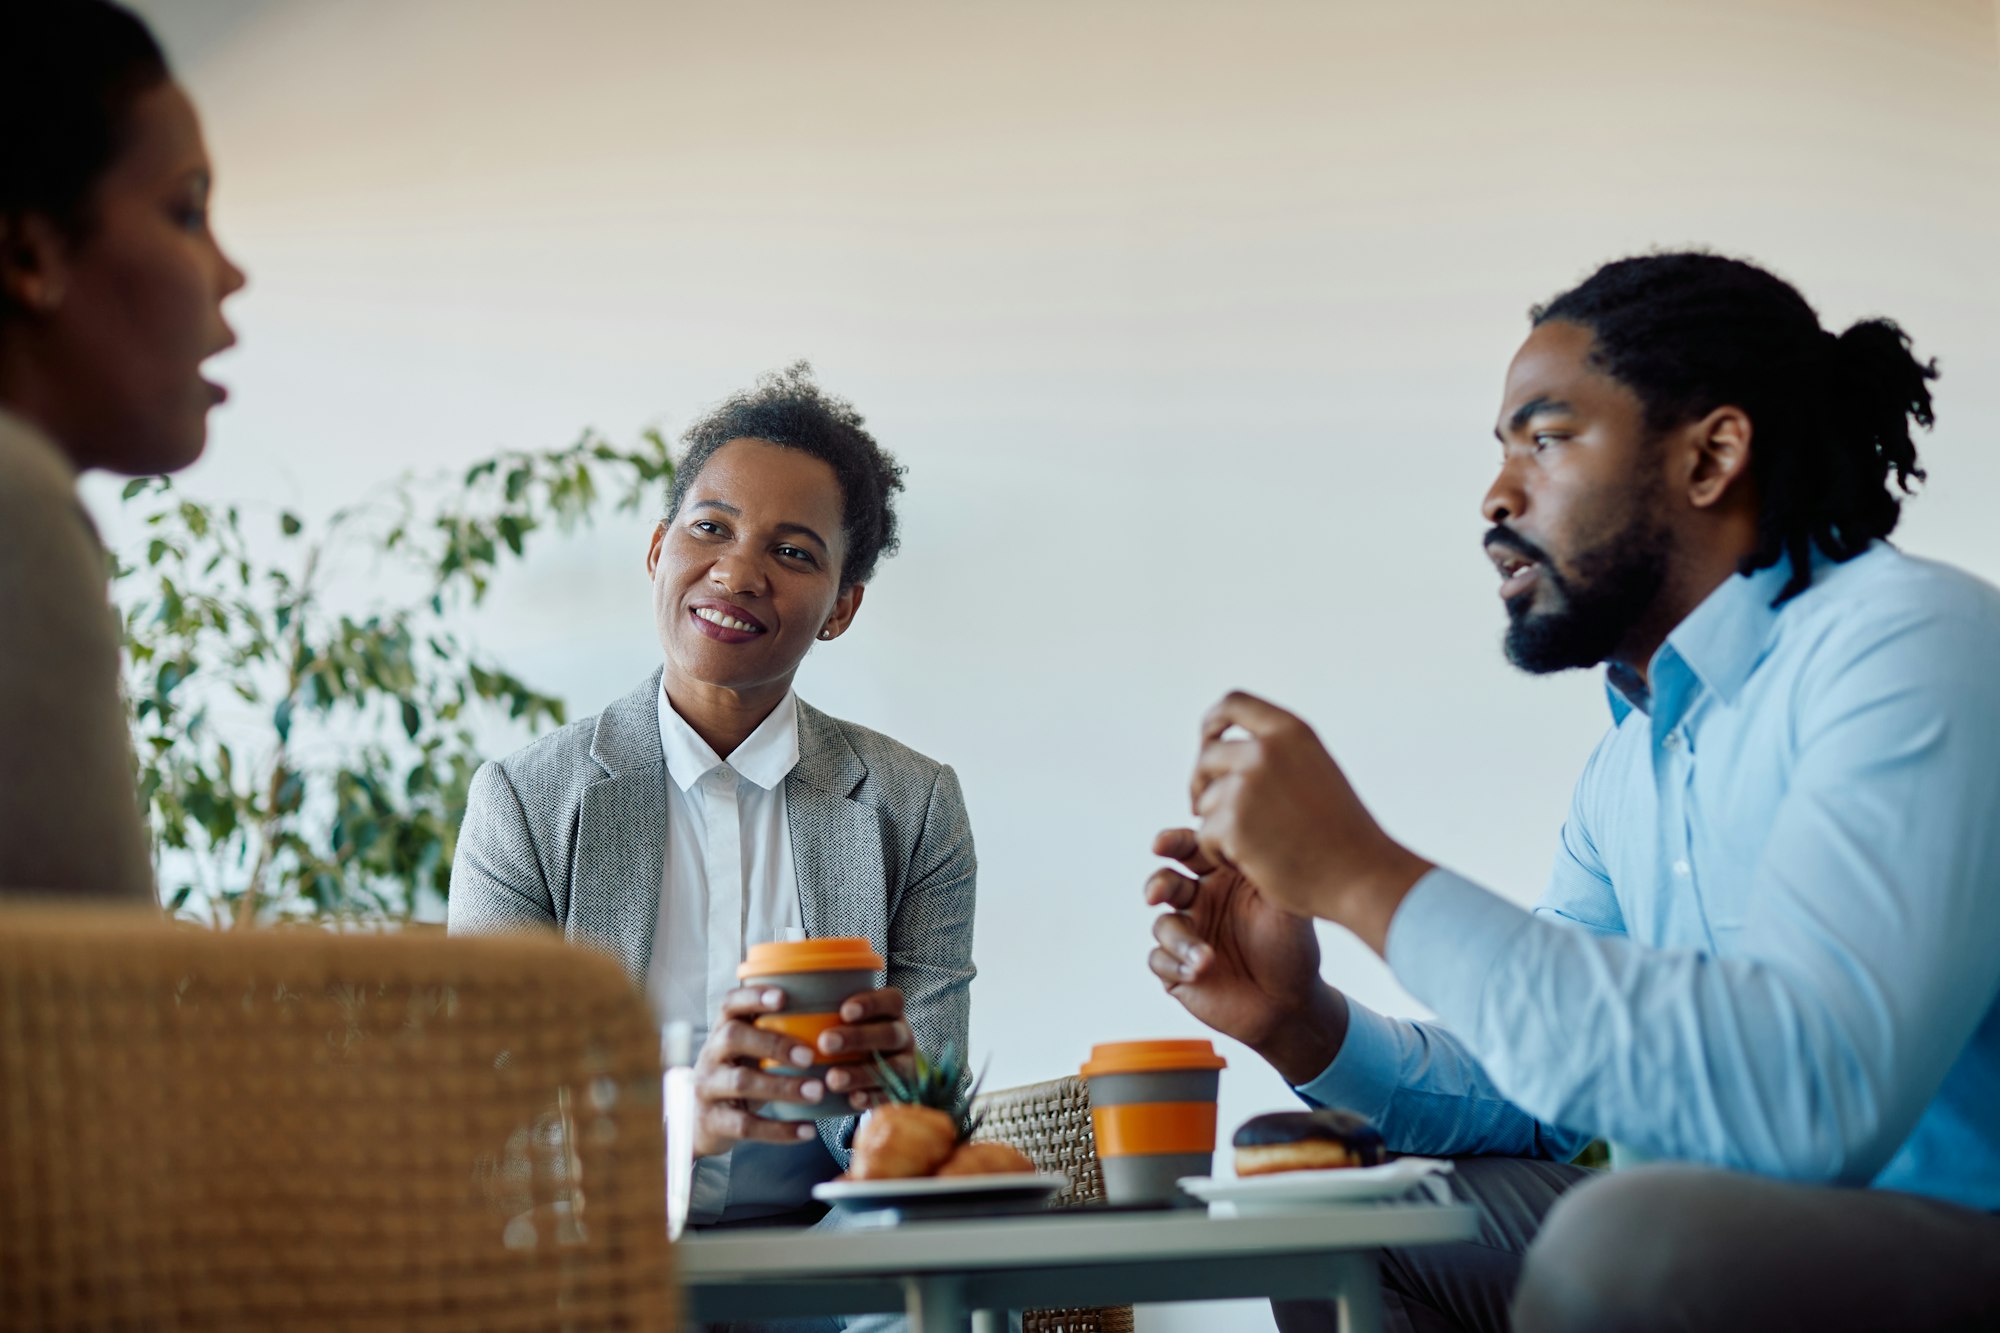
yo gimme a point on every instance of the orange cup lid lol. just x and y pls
(1147, 1057)
(838, 953)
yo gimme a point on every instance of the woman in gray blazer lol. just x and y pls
(711, 809)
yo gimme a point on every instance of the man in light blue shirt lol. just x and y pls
(1769, 953)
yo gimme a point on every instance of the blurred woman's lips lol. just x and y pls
(725, 623)
(217, 394)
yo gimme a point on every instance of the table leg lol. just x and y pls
(989, 1321)
(935, 1304)
(1358, 1296)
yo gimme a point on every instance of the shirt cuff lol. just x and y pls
(1366, 1071)
(1445, 939)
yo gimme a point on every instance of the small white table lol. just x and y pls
(950, 1275)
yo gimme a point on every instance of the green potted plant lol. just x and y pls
(302, 752)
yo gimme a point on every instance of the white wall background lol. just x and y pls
(1189, 321)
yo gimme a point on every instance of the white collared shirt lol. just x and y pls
(729, 882)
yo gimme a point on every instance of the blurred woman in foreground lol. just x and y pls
(111, 291)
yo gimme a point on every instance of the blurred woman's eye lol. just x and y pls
(707, 527)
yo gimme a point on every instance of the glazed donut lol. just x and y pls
(1305, 1141)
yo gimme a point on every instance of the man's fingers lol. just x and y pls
(1257, 716)
(884, 1003)
(1167, 968)
(1181, 845)
(1175, 933)
(1217, 832)
(1170, 888)
(1218, 762)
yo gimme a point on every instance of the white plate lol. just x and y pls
(1303, 1191)
(931, 1189)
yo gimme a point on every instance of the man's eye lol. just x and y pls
(1543, 439)
(794, 553)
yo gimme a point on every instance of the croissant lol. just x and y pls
(896, 1142)
(986, 1159)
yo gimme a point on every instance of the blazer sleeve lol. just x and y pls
(930, 938)
(497, 881)
(930, 935)
(69, 813)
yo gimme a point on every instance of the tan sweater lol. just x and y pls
(69, 817)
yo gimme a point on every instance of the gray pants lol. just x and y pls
(1659, 1248)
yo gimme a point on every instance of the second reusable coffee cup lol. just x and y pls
(1152, 1107)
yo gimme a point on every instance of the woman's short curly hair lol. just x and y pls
(786, 408)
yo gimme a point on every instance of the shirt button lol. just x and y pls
(1672, 740)
(1680, 867)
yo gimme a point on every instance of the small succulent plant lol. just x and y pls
(939, 1084)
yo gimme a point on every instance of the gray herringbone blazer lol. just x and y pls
(570, 832)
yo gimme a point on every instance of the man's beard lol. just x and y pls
(1612, 583)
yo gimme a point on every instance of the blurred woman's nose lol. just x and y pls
(233, 277)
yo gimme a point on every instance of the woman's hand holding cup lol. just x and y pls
(871, 1023)
(729, 1077)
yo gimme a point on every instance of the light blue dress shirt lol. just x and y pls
(1771, 941)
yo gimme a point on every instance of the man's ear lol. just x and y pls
(1719, 457)
(845, 607)
(653, 548)
(34, 262)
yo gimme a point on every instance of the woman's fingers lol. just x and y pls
(869, 1005)
(735, 1041)
(750, 1001)
(887, 1036)
(732, 1122)
(871, 1021)
(747, 1083)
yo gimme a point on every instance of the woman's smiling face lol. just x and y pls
(746, 574)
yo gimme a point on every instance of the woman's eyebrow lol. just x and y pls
(805, 532)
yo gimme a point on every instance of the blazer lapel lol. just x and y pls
(836, 841)
(621, 837)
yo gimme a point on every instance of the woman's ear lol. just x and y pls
(1720, 457)
(844, 608)
(653, 548)
(33, 267)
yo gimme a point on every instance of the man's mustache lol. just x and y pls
(1513, 541)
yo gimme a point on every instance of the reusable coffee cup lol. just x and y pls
(1152, 1107)
(817, 977)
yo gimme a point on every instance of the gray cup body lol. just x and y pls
(812, 993)
(1149, 1177)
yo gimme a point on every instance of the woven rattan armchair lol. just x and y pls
(1050, 1122)
(295, 1130)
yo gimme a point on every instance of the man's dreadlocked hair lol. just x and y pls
(1689, 333)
